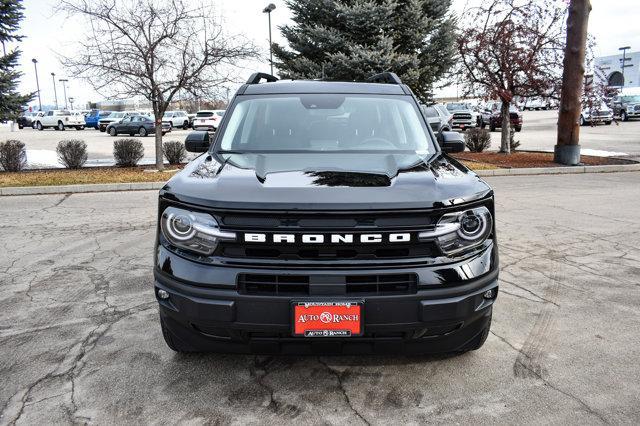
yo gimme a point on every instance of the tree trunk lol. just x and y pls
(159, 156)
(505, 147)
(567, 150)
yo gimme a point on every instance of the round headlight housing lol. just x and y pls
(460, 231)
(193, 231)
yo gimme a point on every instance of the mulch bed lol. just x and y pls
(525, 159)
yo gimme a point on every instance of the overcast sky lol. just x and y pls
(613, 23)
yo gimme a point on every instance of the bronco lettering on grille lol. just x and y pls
(327, 238)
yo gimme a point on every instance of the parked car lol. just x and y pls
(60, 119)
(93, 118)
(176, 119)
(463, 117)
(492, 116)
(438, 120)
(598, 114)
(114, 117)
(208, 119)
(626, 107)
(535, 103)
(141, 125)
(26, 120)
(307, 230)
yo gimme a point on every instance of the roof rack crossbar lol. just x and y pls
(385, 77)
(257, 76)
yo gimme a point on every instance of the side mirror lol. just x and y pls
(197, 142)
(451, 142)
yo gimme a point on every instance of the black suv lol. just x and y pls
(325, 217)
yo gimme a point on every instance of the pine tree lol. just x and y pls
(353, 39)
(11, 102)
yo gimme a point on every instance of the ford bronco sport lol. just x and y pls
(325, 217)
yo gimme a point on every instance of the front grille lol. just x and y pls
(462, 116)
(349, 285)
(332, 222)
(239, 250)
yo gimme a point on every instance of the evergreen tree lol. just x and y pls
(353, 39)
(11, 102)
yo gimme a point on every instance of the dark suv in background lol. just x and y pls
(325, 217)
(491, 116)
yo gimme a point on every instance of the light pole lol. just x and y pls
(35, 66)
(55, 93)
(64, 88)
(270, 8)
(623, 61)
(71, 101)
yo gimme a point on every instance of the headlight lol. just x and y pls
(197, 232)
(459, 231)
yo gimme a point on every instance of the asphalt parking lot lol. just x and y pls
(80, 339)
(539, 133)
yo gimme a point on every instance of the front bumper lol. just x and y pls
(439, 316)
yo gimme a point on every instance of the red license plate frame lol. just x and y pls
(335, 319)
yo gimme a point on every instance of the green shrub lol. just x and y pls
(72, 153)
(174, 152)
(127, 152)
(13, 156)
(477, 140)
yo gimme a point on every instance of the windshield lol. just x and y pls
(631, 98)
(431, 112)
(117, 115)
(456, 107)
(325, 123)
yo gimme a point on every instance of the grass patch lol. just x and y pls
(82, 176)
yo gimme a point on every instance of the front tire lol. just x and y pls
(185, 125)
(60, 126)
(175, 344)
(492, 127)
(583, 122)
(477, 342)
(624, 116)
(608, 123)
(518, 128)
(113, 132)
(39, 126)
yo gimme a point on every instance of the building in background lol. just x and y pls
(612, 71)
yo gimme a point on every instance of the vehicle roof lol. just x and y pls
(311, 86)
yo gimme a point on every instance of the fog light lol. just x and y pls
(164, 295)
(487, 294)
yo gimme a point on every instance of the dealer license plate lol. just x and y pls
(327, 319)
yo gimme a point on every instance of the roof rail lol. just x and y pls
(257, 76)
(385, 77)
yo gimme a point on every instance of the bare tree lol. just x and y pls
(512, 48)
(154, 49)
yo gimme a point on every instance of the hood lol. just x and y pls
(261, 183)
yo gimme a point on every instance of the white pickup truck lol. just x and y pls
(60, 120)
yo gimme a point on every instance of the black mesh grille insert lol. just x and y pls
(353, 285)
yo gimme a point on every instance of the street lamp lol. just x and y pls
(64, 88)
(55, 93)
(270, 8)
(71, 101)
(35, 65)
(623, 61)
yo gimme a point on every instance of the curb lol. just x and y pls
(144, 186)
(69, 189)
(611, 168)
